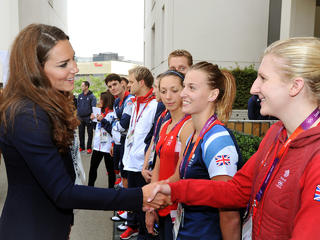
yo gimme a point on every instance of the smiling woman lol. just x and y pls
(280, 183)
(61, 67)
(37, 124)
(172, 137)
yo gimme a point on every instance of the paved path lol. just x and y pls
(89, 225)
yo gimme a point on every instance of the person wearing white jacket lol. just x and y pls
(102, 141)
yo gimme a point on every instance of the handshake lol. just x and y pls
(156, 195)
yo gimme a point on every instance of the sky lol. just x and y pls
(97, 26)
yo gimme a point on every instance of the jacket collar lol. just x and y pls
(146, 98)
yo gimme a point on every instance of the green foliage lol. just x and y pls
(244, 79)
(77, 85)
(97, 85)
(248, 144)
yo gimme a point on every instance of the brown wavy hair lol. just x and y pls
(27, 80)
(107, 99)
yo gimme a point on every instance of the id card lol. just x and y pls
(104, 137)
(247, 229)
(178, 221)
(151, 156)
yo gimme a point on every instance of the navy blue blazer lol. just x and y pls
(41, 192)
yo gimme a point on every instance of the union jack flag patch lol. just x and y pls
(222, 160)
(317, 194)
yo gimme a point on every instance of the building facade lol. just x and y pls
(17, 14)
(101, 68)
(229, 33)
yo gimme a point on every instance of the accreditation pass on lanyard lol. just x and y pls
(180, 211)
(130, 136)
(306, 124)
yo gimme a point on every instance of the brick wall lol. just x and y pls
(251, 127)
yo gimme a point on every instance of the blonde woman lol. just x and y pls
(280, 183)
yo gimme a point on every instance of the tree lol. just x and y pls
(97, 85)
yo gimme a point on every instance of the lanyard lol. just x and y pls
(208, 125)
(162, 116)
(306, 124)
(165, 127)
(138, 117)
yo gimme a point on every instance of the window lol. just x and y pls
(274, 21)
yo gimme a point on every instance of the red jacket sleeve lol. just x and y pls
(308, 217)
(232, 194)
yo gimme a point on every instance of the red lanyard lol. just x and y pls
(306, 124)
(208, 125)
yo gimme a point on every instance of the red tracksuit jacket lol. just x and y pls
(290, 207)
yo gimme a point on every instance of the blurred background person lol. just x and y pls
(86, 100)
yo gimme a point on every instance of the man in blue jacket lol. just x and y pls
(86, 100)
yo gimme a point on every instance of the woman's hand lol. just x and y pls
(147, 174)
(151, 218)
(111, 151)
(152, 199)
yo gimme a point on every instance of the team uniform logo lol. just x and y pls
(283, 179)
(222, 160)
(317, 194)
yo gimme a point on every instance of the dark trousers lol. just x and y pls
(117, 156)
(137, 218)
(95, 162)
(165, 228)
(90, 125)
(118, 151)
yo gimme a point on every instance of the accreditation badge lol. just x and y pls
(151, 156)
(247, 229)
(178, 220)
(104, 137)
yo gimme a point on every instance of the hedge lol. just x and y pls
(248, 144)
(244, 79)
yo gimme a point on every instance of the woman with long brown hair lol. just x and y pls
(37, 127)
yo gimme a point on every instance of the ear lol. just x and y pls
(141, 83)
(296, 86)
(213, 95)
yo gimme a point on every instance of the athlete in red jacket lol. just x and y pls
(280, 183)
